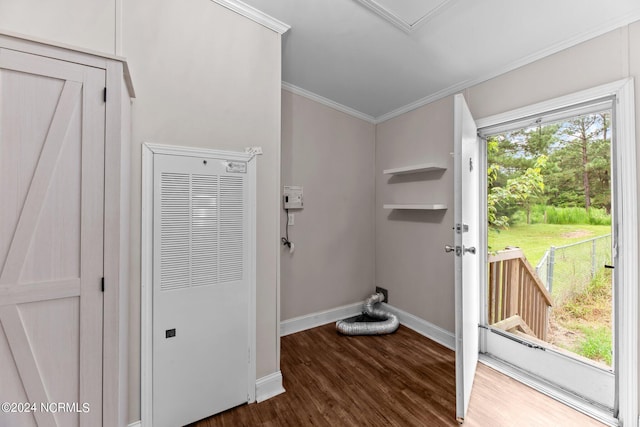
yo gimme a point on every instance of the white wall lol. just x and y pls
(597, 61)
(410, 258)
(207, 77)
(204, 77)
(330, 154)
(89, 24)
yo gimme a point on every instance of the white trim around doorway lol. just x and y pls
(627, 223)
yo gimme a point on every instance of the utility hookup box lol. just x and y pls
(292, 197)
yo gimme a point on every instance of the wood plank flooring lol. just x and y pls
(401, 379)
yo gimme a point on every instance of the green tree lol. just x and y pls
(518, 192)
(579, 164)
(599, 167)
(572, 158)
(579, 136)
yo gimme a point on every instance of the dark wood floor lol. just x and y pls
(402, 379)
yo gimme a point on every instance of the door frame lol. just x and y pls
(625, 186)
(116, 210)
(146, 267)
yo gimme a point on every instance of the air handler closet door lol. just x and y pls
(52, 127)
(203, 280)
(467, 251)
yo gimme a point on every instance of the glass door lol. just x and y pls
(549, 293)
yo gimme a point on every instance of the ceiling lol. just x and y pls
(384, 57)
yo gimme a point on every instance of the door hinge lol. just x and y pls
(102, 285)
(105, 94)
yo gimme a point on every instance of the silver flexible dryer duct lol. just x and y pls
(388, 322)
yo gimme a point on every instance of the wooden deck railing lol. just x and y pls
(515, 289)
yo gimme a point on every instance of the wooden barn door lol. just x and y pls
(52, 116)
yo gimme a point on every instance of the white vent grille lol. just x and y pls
(231, 228)
(202, 229)
(174, 235)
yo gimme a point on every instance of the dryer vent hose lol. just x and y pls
(388, 322)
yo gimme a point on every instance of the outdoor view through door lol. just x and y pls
(549, 210)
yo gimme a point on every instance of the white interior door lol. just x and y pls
(201, 287)
(52, 118)
(467, 239)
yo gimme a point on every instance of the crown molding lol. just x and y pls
(396, 20)
(386, 14)
(327, 102)
(558, 47)
(255, 15)
(451, 90)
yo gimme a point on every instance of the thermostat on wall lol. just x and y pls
(292, 197)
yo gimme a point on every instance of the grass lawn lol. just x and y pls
(535, 239)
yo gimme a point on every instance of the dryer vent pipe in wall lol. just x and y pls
(388, 322)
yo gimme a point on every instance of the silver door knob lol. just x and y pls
(471, 250)
(449, 248)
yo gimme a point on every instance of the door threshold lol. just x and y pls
(598, 412)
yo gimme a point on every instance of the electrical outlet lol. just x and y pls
(292, 219)
(384, 292)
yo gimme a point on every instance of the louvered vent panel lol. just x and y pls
(174, 234)
(231, 228)
(204, 230)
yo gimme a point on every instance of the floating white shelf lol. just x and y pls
(425, 167)
(424, 207)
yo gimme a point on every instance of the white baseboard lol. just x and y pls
(424, 328)
(421, 326)
(266, 388)
(269, 386)
(313, 320)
